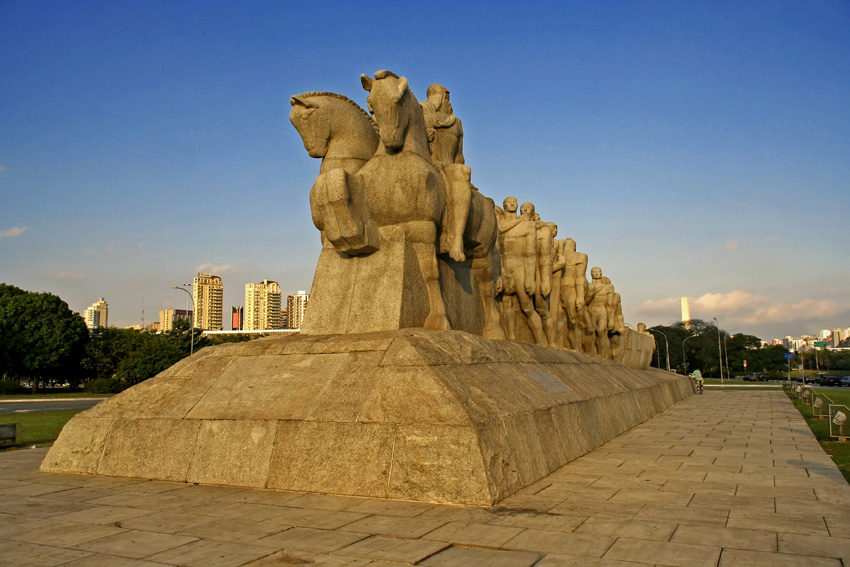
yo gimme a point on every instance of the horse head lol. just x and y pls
(389, 102)
(313, 126)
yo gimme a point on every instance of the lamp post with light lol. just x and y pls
(719, 350)
(185, 287)
(684, 358)
(666, 347)
(726, 351)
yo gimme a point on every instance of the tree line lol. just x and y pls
(696, 345)
(43, 342)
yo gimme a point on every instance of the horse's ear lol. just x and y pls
(366, 81)
(402, 86)
(305, 102)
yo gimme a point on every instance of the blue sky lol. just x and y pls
(693, 149)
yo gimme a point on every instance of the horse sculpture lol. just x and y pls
(378, 186)
(335, 128)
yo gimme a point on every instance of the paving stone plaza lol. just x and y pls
(727, 478)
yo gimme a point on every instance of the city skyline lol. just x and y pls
(691, 151)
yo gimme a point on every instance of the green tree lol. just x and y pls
(155, 354)
(108, 347)
(40, 336)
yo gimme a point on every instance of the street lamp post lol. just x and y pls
(666, 347)
(684, 358)
(184, 287)
(726, 352)
(719, 350)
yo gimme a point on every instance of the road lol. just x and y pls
(27, 406)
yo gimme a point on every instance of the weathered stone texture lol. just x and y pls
(412, 414)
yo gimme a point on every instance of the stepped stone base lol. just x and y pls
(412, 414)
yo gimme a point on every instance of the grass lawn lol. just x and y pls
(40, 427)
(838, 450)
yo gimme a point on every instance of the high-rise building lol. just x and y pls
(237, 317)
(837, 337)
(686, 313)
(168, 316)
(296, 307)
(97, 314)
(262, 306)
(284, 318)
(208, 293)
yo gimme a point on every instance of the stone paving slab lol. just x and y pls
(723, 479)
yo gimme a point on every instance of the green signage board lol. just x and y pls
(820, 344)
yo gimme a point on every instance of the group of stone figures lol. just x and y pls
(396, 174)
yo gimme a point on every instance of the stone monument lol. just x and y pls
(401, 384)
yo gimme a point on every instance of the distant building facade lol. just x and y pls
(237, 317)
(208, 293)
(262, 306)
(686, 313)
(97, 314)
(296, 307)
(168, 316)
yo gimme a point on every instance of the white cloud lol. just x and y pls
(66, 275)
(742, 308)
(732, 244)
(218, 270)
(12, 232)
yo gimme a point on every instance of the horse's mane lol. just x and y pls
(337, 96)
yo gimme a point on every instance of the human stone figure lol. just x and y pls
(555, 302)
(573, 286)
(445, 137)
(618, 327)
(600, 301)
(646, 353)
(518, 250)
(546, 233)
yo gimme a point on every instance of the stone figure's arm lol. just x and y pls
(505, 224)
(544, 256)
(459, 156)
(581, 289)
(530, 258)
(560, 261)
(610, 308)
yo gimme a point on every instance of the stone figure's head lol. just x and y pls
(527, 209)
(596, 272)
(314, 127)
(641, 327)
(570, 244)
(438, 98)
(553, 228)
(510, 204)
(386, 93)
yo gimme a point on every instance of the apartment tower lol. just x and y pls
(208, 293)
(168, 316)
(686, 313)
(262, 306)
(296, 307)
(97, 314)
